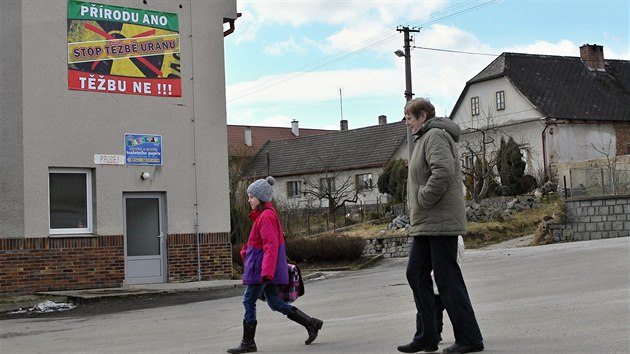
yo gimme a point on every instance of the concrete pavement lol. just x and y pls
(561, 298)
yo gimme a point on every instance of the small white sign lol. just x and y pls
(104, 159)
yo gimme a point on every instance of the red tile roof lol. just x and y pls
(260, 135)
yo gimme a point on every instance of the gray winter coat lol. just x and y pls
(435, 185)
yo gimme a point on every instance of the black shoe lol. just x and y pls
(460, 349)
(415, 347)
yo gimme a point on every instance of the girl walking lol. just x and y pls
(265, 260)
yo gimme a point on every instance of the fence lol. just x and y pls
(311, 221)
(597, 182)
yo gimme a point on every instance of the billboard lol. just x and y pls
(123, 50)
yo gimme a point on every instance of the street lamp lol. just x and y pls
(408, 93)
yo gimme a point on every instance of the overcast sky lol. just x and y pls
(289, 59)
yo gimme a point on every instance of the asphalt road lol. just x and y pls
(563, 298)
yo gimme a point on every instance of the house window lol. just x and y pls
(628, 149)
(474, 106)
(364, 181)
(70, 201)
(327, 185)
(294, 189)
(500, 100)
(468, 161)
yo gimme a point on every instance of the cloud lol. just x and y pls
(339, 13)
(317, 86)
(279, 48)
(361, 36)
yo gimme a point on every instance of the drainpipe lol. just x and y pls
(544, 150)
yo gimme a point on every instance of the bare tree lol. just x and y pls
(611, 162)
(479, 145)
(239, 209)
(335, 187)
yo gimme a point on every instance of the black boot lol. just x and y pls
(247, 343)
(312, 325)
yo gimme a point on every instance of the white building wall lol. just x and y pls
(66, 128)
(575, 143)
(371, 196)
(517, 107)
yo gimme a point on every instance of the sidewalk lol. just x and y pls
(220, 287)
(12, 303)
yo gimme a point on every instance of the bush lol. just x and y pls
(328, 248)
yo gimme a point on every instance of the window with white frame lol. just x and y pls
(326, 185)
(500, 100)
(364, 182)
(70, 201)
(294, 189)
(474, 106)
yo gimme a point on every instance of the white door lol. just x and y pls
(145, 256)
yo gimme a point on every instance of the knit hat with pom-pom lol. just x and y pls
(262, 189)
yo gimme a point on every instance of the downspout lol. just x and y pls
(544, 148)
(194, 133)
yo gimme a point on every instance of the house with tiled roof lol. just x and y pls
(560, 109)
(349, 159)
(246, 140)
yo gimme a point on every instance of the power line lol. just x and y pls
(362, 47)
(455, 51)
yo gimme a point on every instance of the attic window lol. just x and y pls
(500, 100)
(474, 106)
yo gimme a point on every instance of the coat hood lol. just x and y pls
(441, 123)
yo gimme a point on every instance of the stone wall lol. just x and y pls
(590, 218)
(388, 247)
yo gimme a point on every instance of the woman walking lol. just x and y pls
(437, 217)
(265, 260)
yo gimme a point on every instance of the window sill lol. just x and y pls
(66, 235)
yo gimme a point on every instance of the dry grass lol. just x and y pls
(480, 234)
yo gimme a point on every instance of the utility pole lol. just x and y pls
(408, 92)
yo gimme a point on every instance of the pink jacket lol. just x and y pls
(264, 255)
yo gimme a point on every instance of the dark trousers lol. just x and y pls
(439, 253)
(439, 314)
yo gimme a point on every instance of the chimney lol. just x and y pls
(295, 129)
(593, 56)
(343, 124)
(382, 119)
(248, 136)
